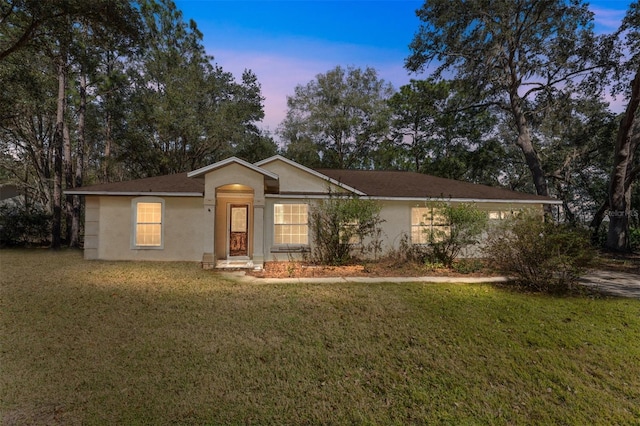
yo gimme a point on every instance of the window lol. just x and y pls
(291, 224)
(427, 221)
(147, 221)
(351, 229)
(500, 214)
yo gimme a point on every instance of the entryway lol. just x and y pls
(238, 230)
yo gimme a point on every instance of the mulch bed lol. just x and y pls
(374, 269)
(622, 262)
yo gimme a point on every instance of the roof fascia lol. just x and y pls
(310, 171)
(206, 169)
(136, 193)
(466, 200)
(423, 199)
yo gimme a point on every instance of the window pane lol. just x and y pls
(149, 212)
(419, 215)
(148, 224)
(148, 234)
(238, 219)
(439, 218)
(291, 225)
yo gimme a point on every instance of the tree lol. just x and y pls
(575, 137)
(432, 134)
(41, 42)
(512, 55)
(186, 112)
(342, 113)
(625, 164)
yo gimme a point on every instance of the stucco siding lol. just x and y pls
(182, 230)
(396, 216)
(293, 179)
(230, 175)
(91, 227)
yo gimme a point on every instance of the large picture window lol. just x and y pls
(291, 224)
(147, 223)
(425, 222)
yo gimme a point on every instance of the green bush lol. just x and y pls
(465, 225)
(634, 238)
(21, 226)
(468, 266)
(540, 255)
(339, 225)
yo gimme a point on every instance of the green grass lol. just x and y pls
(167, 343)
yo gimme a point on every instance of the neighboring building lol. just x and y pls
(242, 214)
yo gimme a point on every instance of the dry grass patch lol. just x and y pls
(166, 343)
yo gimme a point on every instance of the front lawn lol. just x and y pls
(168, 343)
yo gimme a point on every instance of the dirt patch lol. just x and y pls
(620, 262)
(372, 269)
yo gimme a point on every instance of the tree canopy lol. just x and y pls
(514, 56)
(338, 119)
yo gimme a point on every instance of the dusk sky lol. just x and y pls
(287, 43)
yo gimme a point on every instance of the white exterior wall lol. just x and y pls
(182, 230)
(91, 227)
(293, 179)
(396, 216)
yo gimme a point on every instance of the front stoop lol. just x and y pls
(237, 264)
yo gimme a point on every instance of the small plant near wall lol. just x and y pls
(341, 225)
(541, 255)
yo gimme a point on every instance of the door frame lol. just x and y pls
(230, 206)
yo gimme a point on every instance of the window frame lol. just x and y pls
(279, 246)
(134, 222)
(356, 239)
(427, 226)
(500, 214)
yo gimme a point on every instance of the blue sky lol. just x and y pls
(287, 43)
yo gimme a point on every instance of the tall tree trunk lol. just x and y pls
(524, 143)
(58, 142)
(620, 183)
(107, 144)
(79, 172)
(67, 162)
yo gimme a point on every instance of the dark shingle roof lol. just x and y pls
(178, 183)
(418, 185)
(373, 183)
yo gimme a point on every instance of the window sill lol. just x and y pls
(290, 249)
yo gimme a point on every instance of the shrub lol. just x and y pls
(339, 225)
(408, 252)
(468, 266)
(634, 238)
(20, 226)
(542, 256)
(465, 225)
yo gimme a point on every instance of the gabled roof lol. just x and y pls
(411, 185)
(315, 173)
(206, 169)
(173, 185)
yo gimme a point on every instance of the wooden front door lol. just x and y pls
(239, 230)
